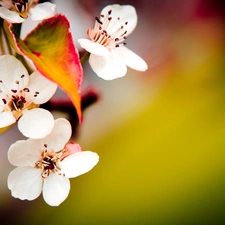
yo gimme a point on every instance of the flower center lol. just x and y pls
(108, 31)
(16, 100)
(21, 6)
(48, 162)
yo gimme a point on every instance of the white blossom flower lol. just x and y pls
(16, 11)
(109, 57)
(20, 96)
(48, 164)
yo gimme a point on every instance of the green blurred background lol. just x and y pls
(160, 134)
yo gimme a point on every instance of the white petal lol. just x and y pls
(78, 163)
(55, 189)
(11, 16)
(93, 47)
(45, 88)
(131, 59)
(6, 119)
(25, 152)
(59, 136)
(36, 123)
(42, 11)
(11, 71)
(25, 183)
(126, 13)
(107, 67)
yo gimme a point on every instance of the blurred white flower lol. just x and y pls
(16, 11)
(48, 164)
(21, 94)
(109, 57)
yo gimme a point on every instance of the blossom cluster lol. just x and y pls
(32, 69)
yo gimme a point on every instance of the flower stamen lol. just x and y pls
(22, 7)
(16, 100)
(103, 33)
(48, 163)
(98, 20)
(4, 100)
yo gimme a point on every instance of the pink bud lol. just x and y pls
(72, 148)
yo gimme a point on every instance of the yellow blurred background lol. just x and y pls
(160, 134)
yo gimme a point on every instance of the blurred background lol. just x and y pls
(160, 134)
